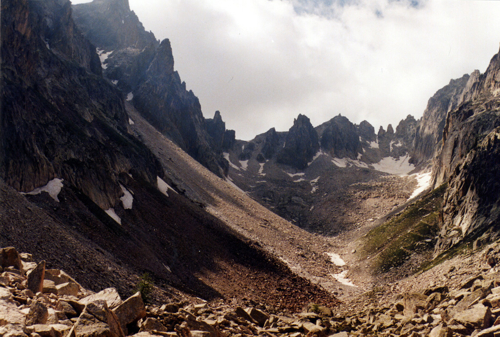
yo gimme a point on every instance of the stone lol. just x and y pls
(49, 287)
(38, 314)
(412, 302)
(151, 324)
(46, 330)
(68, 289)
(58, 276)
(240, 312)
(131, 310)
(9, 257)
(440, 331)
(67, 309)
(36, 277)
(478, 316)
(257, 315)
(110, 295)
(340, 334)
(97, 320)
(490, 332)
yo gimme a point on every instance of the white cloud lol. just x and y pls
(261, 64)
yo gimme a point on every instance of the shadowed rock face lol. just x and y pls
(340, 138)
(468, 162)
(429, 132)
(57, 112)
(142, 66)
(301, 144)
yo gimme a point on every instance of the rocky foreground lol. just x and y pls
(40, 302)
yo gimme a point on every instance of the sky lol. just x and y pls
(261, 63)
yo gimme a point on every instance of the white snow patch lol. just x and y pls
(115, 82)
(163, 186)
(424, 181)
(343, 162)
(314, 189)
(315, 181)
(244, 164)
(343, 279)
(130, 121)
(226, 156)
(311, 209)
(292, 175)
(390, 165)
(130, 96)
(53, 188)
(111, 212)
(103, 57)
(374, 145)
(123, 21)
(360, 155)
(127, 198)
(316, 156)
(336, 259)
(298, 181)
(261, 170)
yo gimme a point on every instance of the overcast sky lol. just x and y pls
(263, 62)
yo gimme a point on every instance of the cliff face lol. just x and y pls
(429, 132)
(468, 162)
(301, 144)
(143, 69)
(57, 111)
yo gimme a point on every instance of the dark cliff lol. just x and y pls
(143, 69)
(301, 144)
(468, 162)
(429, 131)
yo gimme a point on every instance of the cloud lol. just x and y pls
(262, 62)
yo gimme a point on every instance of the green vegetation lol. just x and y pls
(145, 287)
(413, 230)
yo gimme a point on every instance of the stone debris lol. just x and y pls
(469, 308)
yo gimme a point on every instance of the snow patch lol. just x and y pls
(53, 188)
(343, 279)
(314, 189)
(298, 181)
(261, 170)
(315, 181)
(163, 186)
(103, 57)
(226, 156)
(336, 259)
(130, 121)
(130, 96)
(292, 175)
(115, 82)
(111, 212)
(244, 164)
(391, 165)
(343, 162)
(374, 145)
(424, 181)
(127, 198)
(316, 156)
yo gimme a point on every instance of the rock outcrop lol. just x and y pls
(301, 144)
(468, 162)
(429, 131)
(340, 138)
(143, 69)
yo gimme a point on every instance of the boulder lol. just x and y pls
(67, 309)
(110, 295)
(36, 277)
(68, 289)
(490, 332)
(97, 320)
(412, 302)
(38, 314)
(152, 324)
(9, 257)
(477, 317)
(46, 330)
(49, 287)
(131, 310)
(257, 315)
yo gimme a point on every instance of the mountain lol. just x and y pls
(143, 68)
(468, 163)
(88, 184)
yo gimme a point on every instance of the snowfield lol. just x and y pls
(390, 165)
(53, 188)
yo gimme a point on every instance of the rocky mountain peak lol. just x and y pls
(301, 144)
(366, 131)
(340, 138)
